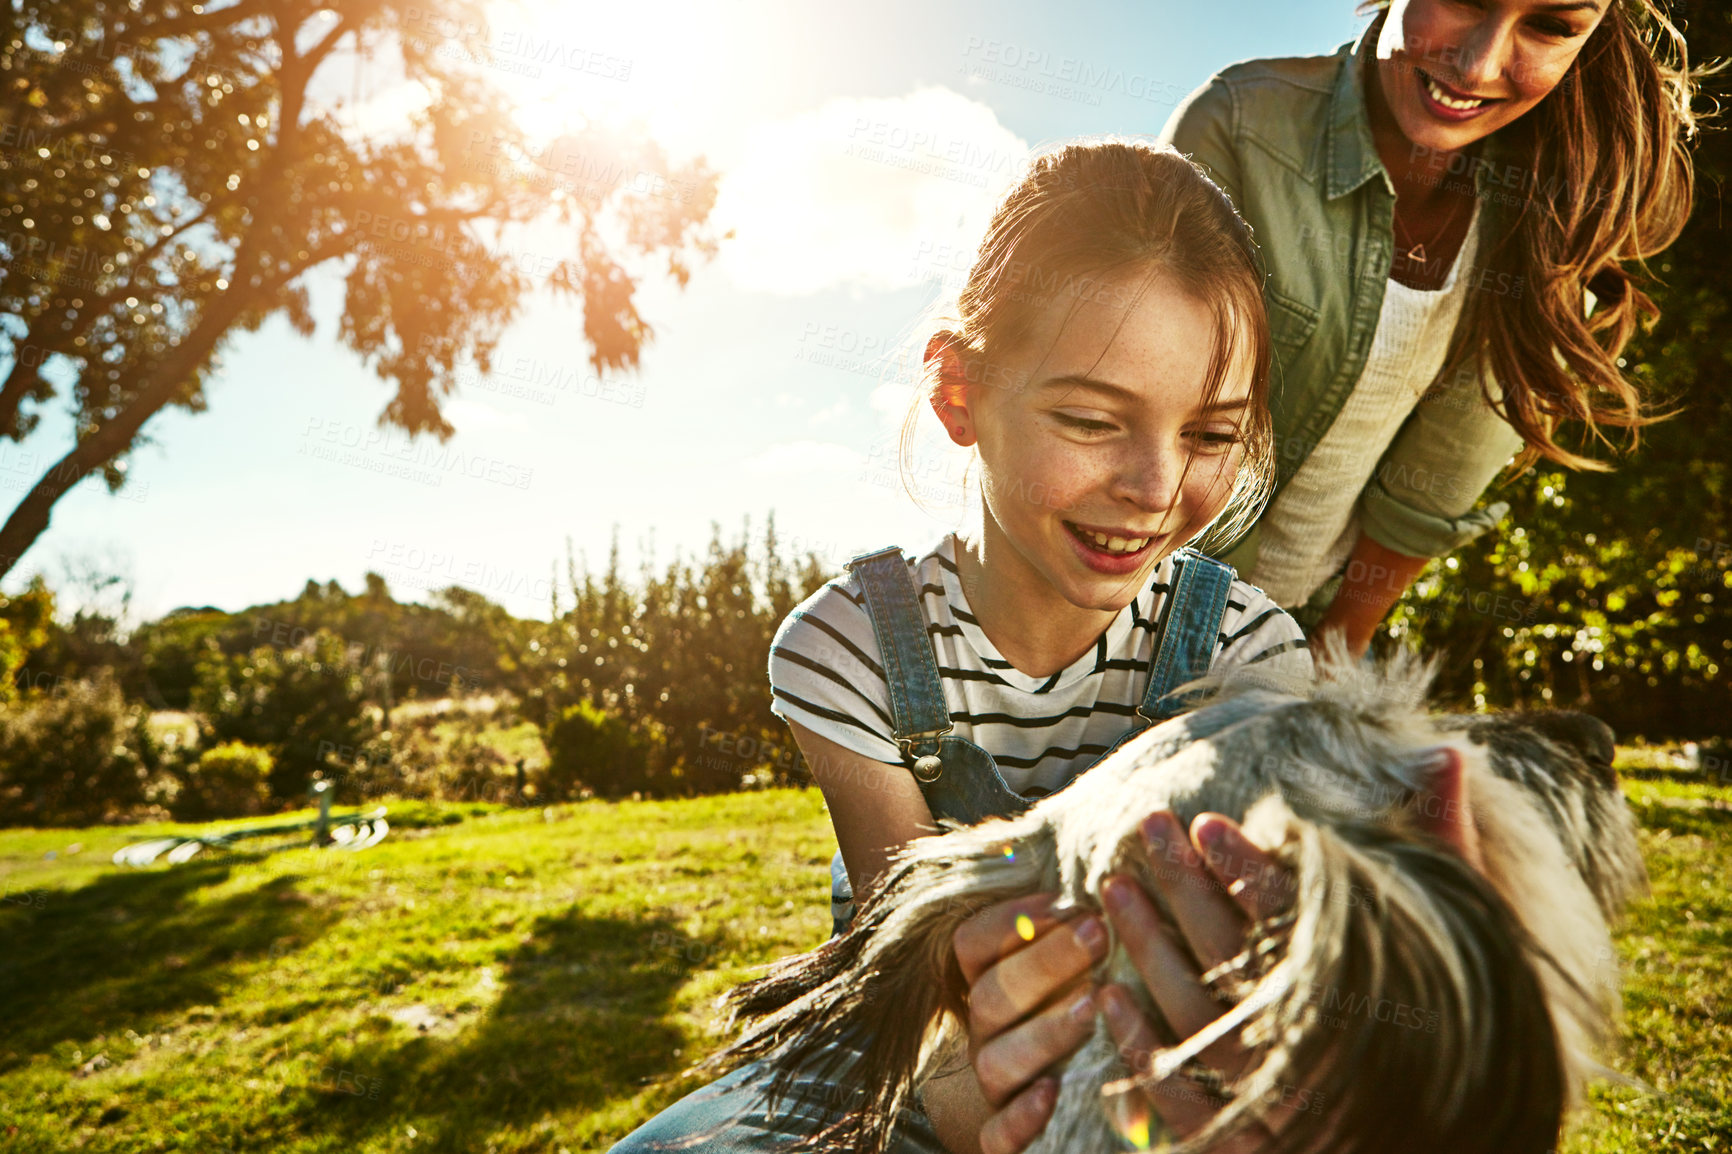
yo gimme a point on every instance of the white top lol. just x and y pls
(827, 674)
(1310, 529)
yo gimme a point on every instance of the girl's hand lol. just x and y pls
(1215, 881)
(1030, 1004)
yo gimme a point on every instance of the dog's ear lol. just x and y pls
(1443, 805)
(1584, 733)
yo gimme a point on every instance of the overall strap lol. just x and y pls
(917, 709)
(1197, 605)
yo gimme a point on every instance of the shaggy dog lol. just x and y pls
(1499, 985)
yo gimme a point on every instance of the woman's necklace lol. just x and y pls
(1416, 253)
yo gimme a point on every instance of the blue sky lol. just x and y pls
(862, 147)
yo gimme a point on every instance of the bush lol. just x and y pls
(475, 771)
(229, 780)
(431, 757)
(167, 652)
(76, 756)
(1562, 608)
(679, 654)
(25, 620)
(306, 705)
(392, 763)
(588, 748)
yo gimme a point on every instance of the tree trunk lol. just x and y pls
(19, 378)
(29, 519)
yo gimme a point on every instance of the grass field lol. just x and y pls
(495, 980)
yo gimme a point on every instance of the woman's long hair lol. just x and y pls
(1606, 182)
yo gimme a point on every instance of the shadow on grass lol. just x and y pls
(110, 955)
(583, 1021)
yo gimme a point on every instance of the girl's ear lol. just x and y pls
(1443, 808)
(950, 396)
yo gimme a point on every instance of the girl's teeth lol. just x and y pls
(1116, 544)
(1448, 101)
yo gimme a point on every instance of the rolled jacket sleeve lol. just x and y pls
(1421, 499)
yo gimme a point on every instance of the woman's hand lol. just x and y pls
(1030, 1004)
(1215, 881)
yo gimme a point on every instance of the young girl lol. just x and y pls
(1445, 209)
(1109, 365)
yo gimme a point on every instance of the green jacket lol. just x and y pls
(1289, 140)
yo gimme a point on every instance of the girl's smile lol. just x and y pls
(1114, 551)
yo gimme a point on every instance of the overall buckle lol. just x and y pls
(927, 766)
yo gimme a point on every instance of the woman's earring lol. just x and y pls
(957, 429)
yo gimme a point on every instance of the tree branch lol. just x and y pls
(209, 20)
(17, 383)
(313, 56)
(295, 74)
(30, 518)
(16, 386)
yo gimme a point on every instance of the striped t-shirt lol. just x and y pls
(826, 672)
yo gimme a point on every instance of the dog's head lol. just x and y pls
(1439, 982)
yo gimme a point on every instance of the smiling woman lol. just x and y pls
(1443, 66)
(1446, 210)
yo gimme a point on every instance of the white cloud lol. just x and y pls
(877, 193)
(804, 458)
(831, 413)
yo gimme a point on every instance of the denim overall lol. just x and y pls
(958, 778)
(961, 782)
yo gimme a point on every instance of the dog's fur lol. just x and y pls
(1406, 1001)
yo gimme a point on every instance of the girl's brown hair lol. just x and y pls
(1092, 220)
(1609, 183)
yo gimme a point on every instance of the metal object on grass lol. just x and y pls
(351, 832)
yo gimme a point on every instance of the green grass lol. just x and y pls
(530, 980)
(1676, 950)
(523, 980)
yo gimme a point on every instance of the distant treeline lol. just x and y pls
(654, 684)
